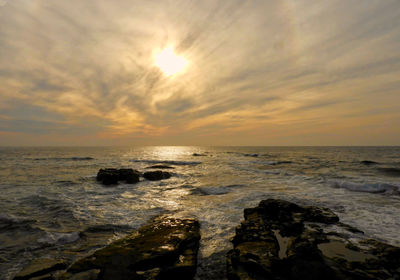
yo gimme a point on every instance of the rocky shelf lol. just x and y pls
(277, 240)
(282, 240)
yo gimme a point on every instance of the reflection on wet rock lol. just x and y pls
(165, 248)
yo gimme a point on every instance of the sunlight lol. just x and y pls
(169, 62)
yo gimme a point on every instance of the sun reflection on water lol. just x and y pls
(170, 152)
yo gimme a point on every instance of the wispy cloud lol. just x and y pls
(78, 68)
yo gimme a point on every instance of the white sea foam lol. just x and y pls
(364, 187)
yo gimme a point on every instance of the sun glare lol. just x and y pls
(169, 62)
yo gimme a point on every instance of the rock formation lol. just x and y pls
(282, 240)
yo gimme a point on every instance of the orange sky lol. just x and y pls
(258, 72)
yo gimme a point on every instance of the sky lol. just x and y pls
(277, 72)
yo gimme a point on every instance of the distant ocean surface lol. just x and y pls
(52, 206)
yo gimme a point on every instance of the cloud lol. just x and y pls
(252, 65)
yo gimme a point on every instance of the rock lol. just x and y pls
(198, 155)
(108, 176)
(165, 248)
(160, 166)
(129, 175)
(111, 176)
(156, 175)
(40, 268)
(369, 162)
(43, 277)
(251, 155)
(282, 240)
(92, 274)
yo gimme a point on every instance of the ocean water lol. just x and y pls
(52, 206)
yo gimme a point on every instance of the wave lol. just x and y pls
(55, 208)
(108, 228)
(273, 162)
(390, 171)
(214, 190)
(251, 155)
(10, 221)
(68, 158)
(365, 187)
(273, 171)
(171, 162)
(53, 238)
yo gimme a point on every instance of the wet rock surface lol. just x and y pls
(41, 269)
(165, 248)
(282, 240)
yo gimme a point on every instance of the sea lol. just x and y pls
(51, 205)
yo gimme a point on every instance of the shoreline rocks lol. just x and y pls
(277, 240)
(40, 269)
(282, 240)
(111, 176)
(165, 248)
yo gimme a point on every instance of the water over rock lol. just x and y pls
(165, 248)
(282, 240)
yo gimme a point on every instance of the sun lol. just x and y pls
(169, 62)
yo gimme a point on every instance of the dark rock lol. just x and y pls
(282, 240)
(111, 176)
(160, 166)
(40, 268)
(165, 248)
(369, 162)
(198, 155)
(108, 176)
(92, 274)
(156, 175)
(129, 175)
(251, 155)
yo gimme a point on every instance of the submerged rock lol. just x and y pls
(41, 269)
(251, 155)
(111, 176)
(199, 155)
(369, 162)
(160, 166)
(282, 240)
(165, 248)
(156, 175)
